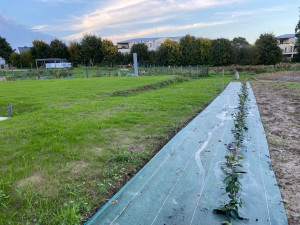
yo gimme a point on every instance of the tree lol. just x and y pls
(58, 49)
(110, 52)
(91, 49)
(40, 50)
(74, 52)
(124, 59)
(222, 52)
(152, 56)
(204, 50)
(5, 49)
(297, 44)
(14, 59)
(268, 50)
(26, 59)
(169, 53)
(241, 48)
(252, 58)
(188, 50)
(142, 52)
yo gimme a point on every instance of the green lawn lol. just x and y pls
(71, 144)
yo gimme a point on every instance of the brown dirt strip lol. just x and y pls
(279, 108)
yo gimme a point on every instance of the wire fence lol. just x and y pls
(90, 72)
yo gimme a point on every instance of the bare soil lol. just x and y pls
(286, 76)
(279, 108)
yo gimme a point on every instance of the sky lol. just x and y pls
(119, 20)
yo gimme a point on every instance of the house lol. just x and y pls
(287, 44)
(152, 43)
(2, 62)
(22, 49)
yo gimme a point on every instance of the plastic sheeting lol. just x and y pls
(181, 184)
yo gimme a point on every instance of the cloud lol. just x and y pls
(150, 31)
(249, 12)
(120, 13)
(39, 27)
(20, 35)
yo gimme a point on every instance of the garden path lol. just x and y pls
(181, 184)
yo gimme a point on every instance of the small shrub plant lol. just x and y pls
(233, 161)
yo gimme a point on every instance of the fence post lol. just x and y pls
(223, 80)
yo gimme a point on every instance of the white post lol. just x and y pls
(135, 64)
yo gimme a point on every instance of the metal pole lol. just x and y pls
(135, 64)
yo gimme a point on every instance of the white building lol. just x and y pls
(2, 61)
(152, 43)
(53, 63)
(287, 44)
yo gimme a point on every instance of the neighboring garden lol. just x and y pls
(93, 50)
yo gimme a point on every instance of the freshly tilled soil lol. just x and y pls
(279, 108)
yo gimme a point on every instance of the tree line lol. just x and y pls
(218, 52)
(93, 50)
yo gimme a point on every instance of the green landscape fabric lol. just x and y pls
(181, 184)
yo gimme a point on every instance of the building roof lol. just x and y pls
(23, 49)
(285, 36)
(147, 39)
(50, 59)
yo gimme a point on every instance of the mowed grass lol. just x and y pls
(71, 145)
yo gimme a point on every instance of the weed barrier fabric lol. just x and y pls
(181, 184)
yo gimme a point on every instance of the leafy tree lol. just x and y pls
(268, 50)
(252, 56)
(124, 59)
(74, 52)
(110, 52)
(297, 44)
(222, 52)
(204, 50)
(40, 50)
(14, 59)
(241, 48)
(188, 50)
(142, 52)
(91, 49)
(26, 59)
(152, 56)
(169, 53)
(5, 49)
(59, 49)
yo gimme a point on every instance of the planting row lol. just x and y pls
(233, 162)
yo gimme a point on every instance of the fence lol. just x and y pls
(146, 70)
(89, 72)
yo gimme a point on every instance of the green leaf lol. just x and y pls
(234, 214)
(231, 196)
